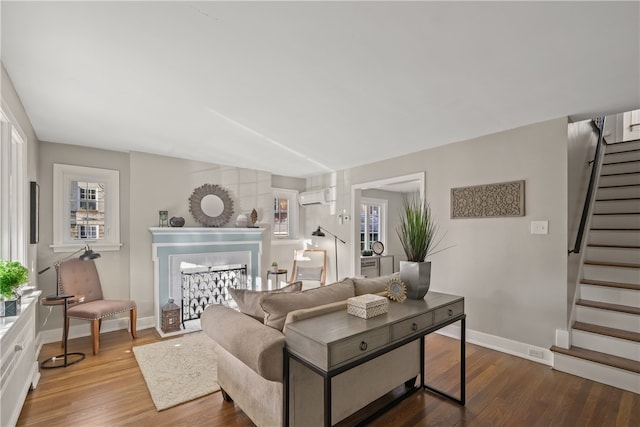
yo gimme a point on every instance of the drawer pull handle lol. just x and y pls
(414, 326)
(450, 312)
(363, 346)
(18, 347)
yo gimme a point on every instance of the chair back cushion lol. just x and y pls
(80, 278)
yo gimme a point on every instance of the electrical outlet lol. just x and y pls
(536, 353)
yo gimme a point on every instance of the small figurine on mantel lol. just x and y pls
(254, 218)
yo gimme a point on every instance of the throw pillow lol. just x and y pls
(373, 285)
(277, 306)
(249, 301)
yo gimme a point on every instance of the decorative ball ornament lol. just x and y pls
(396, 290)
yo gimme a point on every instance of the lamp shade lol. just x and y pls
(318, 233)
(89, 254)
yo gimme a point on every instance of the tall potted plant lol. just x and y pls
(12, 275)
(417, 232)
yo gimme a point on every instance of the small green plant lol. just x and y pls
(12, 275)
(274, 264)
(367, 252)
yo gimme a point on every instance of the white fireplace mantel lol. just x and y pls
(179, 241)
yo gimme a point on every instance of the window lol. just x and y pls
(13, 190)
(285, 213)
(86, 208)
(372, 221)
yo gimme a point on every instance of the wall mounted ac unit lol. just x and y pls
(317, 197)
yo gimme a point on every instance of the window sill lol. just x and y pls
(73, 247)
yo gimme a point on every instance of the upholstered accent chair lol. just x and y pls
(80, 278)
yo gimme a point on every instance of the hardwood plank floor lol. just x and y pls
(502, 390)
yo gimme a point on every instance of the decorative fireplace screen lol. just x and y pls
(203, 287)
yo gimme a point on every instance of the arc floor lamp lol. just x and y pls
(319, 233)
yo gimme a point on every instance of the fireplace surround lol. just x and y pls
(208, 247)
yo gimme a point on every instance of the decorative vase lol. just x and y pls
(241, 221)
(417, 277)
(176, 221)
(10, 307)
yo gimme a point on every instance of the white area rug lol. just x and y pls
(178, 370)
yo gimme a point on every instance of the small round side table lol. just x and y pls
(277, 273)
(65, 359)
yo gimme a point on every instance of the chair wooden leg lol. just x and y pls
(133, 318)
(95, 335)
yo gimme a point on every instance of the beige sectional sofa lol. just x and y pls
(250, 356)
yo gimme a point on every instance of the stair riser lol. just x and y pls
(616, 221)
(618, 192)
(622, 157)
(619, 180)
(611, 319)
(617, 206)
(613, 255)
(612, 274)
(624, 238)
(606, 344)
(617, 147)
(619, 378)
(627, 297)
(620, 168)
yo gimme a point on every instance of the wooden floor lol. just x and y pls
(502, 390)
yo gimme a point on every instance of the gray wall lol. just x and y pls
(113, 266)
(514, 283)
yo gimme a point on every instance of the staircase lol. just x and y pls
(606, 333)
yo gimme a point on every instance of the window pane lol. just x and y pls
(281, 217)
(87, 207)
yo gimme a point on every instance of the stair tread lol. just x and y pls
(618, 199)
(598, 357)
(619, 186)
(595, 245)
(619, 173)
(615, 229)
(612, 264)
(616, 213)
(605, 330)
(622, 161)
(620, 285)
(608, 306)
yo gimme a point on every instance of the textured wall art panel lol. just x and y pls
(488, 201)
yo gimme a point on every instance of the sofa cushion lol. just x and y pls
(372, 285)
(255, 345)
(249, 301)
(277, 306)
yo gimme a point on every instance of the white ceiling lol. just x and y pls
(304, 88)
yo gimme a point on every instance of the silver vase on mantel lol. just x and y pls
(416, 276)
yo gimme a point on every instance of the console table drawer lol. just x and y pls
(358, 345)
(451, 310)
(409, 327)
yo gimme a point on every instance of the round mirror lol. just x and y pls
(211, 205)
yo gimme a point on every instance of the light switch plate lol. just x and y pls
(539, 227)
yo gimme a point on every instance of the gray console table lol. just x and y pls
(333, 343)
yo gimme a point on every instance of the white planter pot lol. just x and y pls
(417, 277)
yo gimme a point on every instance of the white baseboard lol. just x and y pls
(79, 328)
(504, 345)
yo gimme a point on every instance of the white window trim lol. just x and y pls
(384, 204)
(294, 213)
(13, 188)
(62, 177)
